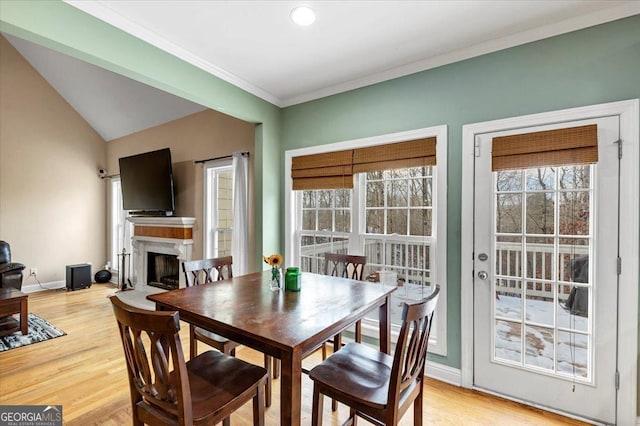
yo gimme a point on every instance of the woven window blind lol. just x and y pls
(573, 145)
(334, 170)
(331, 170)
(415, 153)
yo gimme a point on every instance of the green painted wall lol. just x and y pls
(63, 28)
(591, 66)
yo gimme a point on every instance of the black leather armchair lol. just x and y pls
(10, 273)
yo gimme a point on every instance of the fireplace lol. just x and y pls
(160, 244)
(163, 270)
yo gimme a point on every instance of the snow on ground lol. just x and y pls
(571, 351)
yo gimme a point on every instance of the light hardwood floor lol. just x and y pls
(84, 372)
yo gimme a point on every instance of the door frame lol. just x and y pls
(628, 111)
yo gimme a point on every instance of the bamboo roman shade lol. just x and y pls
(334, 170)
(331, 170)
(415, 153)
(574, 145)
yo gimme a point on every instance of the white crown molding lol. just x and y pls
(562, 27)
(108, 15)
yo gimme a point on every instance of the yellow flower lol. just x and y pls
(273, 260)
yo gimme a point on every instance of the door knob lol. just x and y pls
(483, 275)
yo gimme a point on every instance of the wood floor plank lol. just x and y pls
(84, 372)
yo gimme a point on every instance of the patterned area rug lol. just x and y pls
(39, 331)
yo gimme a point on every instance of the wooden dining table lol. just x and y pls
(283, 324)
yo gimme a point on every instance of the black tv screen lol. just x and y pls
(147, 183)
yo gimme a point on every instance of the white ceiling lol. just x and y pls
(254, 45)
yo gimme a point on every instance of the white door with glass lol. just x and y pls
(545, 266)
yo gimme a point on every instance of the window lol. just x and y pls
(120, 228)
(393, 217)
(218, 208)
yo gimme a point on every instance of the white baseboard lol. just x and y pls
(444, 373)
(52, 285)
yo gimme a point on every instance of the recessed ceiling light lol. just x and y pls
(303, 16)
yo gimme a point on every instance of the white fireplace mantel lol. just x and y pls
(165, 235)
(161, 221)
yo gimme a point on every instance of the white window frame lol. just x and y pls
(214, 167)
(438, 341)
(119, 227)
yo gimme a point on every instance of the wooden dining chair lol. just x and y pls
(167, 390)
(206, 271)
(376, 386)
(346, 266)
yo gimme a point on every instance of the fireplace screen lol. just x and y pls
(163, 270)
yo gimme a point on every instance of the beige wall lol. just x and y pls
(203, 135)
(52, 203)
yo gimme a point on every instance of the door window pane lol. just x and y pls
(509, 213)
(540, 212)
(508, 303)
(539, 348)
(508, 341)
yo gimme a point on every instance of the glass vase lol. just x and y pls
(276, 279)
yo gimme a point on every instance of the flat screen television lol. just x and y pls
(147, 183)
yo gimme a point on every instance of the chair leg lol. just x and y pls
(417, 410)
(276, 368)
(267, 387)
(359, 332)
(324, 351)
(337, 344)
(316, 411)
(135, 398)
(226, 421)
(193, 343)
(352, 417)
(258, 407)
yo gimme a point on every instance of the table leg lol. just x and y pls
(24, 321)
(291, 389)
(384, 314)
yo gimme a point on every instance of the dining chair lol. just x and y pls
(376, 386)
(206, 271)
(346, 266)
(165, 389)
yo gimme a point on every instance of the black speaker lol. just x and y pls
(78, 276)
(102, 276)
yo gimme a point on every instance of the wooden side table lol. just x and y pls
(13, 301)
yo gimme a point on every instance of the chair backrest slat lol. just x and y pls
(201, 271)
(344, 265)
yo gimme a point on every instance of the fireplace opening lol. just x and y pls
(163, 270)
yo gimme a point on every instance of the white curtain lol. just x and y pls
(240, 234)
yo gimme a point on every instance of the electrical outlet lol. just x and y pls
(33, 271)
